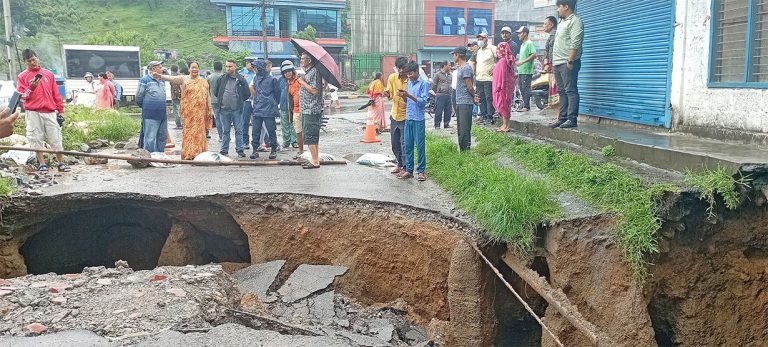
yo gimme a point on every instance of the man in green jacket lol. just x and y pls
(566, 59)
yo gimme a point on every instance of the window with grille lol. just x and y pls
(739, 43)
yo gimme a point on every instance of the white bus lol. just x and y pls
(124, 61)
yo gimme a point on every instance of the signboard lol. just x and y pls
(543, 3)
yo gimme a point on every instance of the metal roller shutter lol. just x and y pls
(627, 60)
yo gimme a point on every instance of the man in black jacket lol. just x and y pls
(231, 91)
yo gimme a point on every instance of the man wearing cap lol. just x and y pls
(287, 114)
(506, 36)
(566, 59)
(525, 66)
(466, 97)
(486, 60)
(150, 96)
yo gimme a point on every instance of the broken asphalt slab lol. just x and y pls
(256, 279)
(309, 279)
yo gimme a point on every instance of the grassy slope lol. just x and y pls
(187, 26)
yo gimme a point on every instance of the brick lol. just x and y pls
(36, 328)
(158, 278)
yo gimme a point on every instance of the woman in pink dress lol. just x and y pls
(105, 93)
(504, 81)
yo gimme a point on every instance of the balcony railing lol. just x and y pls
(285, 34)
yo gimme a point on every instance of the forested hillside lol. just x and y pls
(186, 26)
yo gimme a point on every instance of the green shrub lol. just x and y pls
(7, 186)
(713, 182)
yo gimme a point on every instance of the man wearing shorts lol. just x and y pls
(42, 103)
(311, 107)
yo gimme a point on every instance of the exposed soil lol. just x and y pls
(706, 287)
(709, 284)
(394, 253)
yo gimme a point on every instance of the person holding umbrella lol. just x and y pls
(311, 106)
(319, 66)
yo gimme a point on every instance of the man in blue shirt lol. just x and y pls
(150, 96)
(416, 96)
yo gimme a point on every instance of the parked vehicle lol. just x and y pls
(6, 91)
(125, 61)
(540, 91)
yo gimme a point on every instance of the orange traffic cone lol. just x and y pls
(370, 132)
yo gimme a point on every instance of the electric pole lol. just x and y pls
(8, 36)
(263, 28)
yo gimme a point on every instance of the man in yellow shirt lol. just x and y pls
(396, 82)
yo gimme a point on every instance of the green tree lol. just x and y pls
(309, 33)
(121, 37)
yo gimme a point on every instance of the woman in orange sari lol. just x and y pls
(195, 111)
(105, 93)
(376, 109)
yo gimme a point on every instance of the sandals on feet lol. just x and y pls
(63, 168)
(42, 168)
(309, 165)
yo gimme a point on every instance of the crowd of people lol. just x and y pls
(240, 99)
(485, 77)
(482, 76)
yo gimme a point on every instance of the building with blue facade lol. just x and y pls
(284, 18)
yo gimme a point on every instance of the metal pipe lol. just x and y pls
(172, 161)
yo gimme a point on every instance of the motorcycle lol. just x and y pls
(540, 90)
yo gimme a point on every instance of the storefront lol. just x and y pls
(627, 60)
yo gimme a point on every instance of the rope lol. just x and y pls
(519, 298)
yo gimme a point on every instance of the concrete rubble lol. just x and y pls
(196, 305)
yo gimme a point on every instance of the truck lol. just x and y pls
(124, 61)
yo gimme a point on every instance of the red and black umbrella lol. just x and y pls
(326, 65)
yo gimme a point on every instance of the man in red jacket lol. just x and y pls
(42, 103)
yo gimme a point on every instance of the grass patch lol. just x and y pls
(7, 186)
(84, 124)
(608, 151)
(506, 204)
(714, 182)
(606, 186)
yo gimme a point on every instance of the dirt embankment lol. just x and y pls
(708, 286)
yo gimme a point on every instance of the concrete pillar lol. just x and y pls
(470, 297)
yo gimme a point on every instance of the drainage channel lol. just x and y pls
(413, 269)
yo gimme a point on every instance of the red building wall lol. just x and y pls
(431, 39)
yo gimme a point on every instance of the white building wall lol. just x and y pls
(694, 104)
